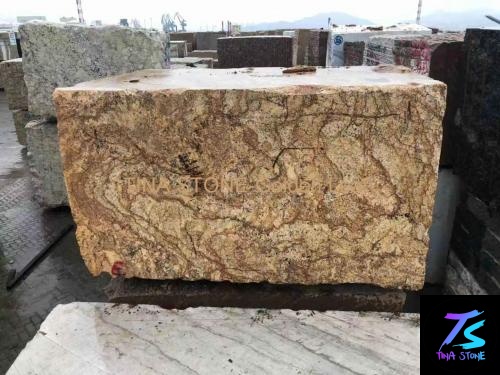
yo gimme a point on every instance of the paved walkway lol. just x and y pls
(60, 277)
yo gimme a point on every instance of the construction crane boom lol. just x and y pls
(80, 11)
(181, 20)
(419, 11)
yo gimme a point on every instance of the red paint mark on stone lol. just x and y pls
(118, 268)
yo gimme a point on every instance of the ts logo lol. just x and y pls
(475, 342)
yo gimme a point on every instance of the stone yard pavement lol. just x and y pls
(60, 277)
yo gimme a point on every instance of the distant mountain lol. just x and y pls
(317, 21)
(455, 21)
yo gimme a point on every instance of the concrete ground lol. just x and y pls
(59, 277)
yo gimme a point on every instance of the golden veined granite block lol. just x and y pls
(253, 175)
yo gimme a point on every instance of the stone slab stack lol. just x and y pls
(255, 51)
(261, 175)
(476, 238)
(58, 55)
(12, 75)
(354, 53)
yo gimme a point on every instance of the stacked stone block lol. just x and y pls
(476, 243)
(11, 72)
(477, 132)
(255, 51)
(45, 162)
(57, 55)
(15, 89)
(476, 238)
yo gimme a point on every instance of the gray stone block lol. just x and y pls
(13, 83)
(58, 55)
(45, 161)
(21, 119)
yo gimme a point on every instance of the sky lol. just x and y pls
(208, 14)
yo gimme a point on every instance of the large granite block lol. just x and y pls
(45, 162)
(13, 83)
(477, 128)
(254, 175)
(58, 55)
(255, 51)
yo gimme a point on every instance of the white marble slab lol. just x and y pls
(97, 338)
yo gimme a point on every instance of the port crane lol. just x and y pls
(169, 25)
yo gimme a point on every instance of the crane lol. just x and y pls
(181, 20)
(168, 23)
(494, 19)
(80, 11)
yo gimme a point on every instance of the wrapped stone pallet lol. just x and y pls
(354, 53)
(261, 175)
(58, 55)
